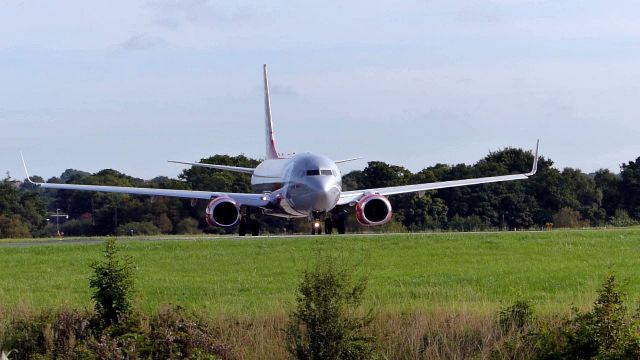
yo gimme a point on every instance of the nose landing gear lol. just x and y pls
(316, 228)
(335, 220)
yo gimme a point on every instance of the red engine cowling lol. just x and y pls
(373, 210)
(223, 211)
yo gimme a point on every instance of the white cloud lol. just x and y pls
(142, 42)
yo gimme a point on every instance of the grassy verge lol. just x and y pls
(456, 272)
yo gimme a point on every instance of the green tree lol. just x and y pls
(13, 227)
(610, 185)
(325, 324)
(112, 283)
(22, 209)
(630, 187)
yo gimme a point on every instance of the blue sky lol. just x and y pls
(130, 84)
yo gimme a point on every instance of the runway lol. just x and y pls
(125, 239)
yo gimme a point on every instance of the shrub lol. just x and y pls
(112, 284)
(469, 223)
(621, 218)
(13, 227)
(324, 324)
(77, 227)
(568, 218)
(188, 226)
(69, 334)
(608, 331)
(178, 335)
(138, 228)
(163, 223)
(48, 334)
(515, 316)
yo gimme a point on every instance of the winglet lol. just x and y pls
(24, 164)
(535, 160)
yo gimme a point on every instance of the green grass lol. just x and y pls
(452, 271)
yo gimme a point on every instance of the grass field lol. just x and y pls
(413, 272)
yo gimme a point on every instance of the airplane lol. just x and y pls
(304, 185)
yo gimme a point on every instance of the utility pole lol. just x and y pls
(58, 216)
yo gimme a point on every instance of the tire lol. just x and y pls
(242, 228)
(328, 226)
(341, 227)
(255, 228)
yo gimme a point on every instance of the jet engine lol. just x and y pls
(223, 211)
(373, 210)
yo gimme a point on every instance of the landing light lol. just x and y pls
(316, 224)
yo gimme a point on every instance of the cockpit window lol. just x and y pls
(319, 172)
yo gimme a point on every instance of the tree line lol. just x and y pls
(564, 198)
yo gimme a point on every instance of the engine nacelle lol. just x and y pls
(373, 210)
(223, 212)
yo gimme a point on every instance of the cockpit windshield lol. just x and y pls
(319, 172)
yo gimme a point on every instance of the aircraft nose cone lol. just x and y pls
(314, 194)
(325, 195)
(327, 198)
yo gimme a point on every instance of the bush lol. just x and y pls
(469, 223)
(112, 284)
(608, 331)
(324, 324)
(188, 226)
(69, 334)
(177, 335)
(621, 218)
(77, 227)
(138, 228)
(516, 316)
(163, 223)
(13, 227)
(568, 218)
(55, 335)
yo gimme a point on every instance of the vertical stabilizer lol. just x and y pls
(272, 153)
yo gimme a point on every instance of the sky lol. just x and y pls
(129, 84)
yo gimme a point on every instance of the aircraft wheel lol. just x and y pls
(255, 227)
(242, 228)
(341, 227)
(328, 226)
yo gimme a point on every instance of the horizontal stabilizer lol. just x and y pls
(244, 170)
(347, 160)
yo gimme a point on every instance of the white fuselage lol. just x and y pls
(300, 185)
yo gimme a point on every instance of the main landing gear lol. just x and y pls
(248, 223)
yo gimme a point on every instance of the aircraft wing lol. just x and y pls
(347, 197)
(241, 198)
